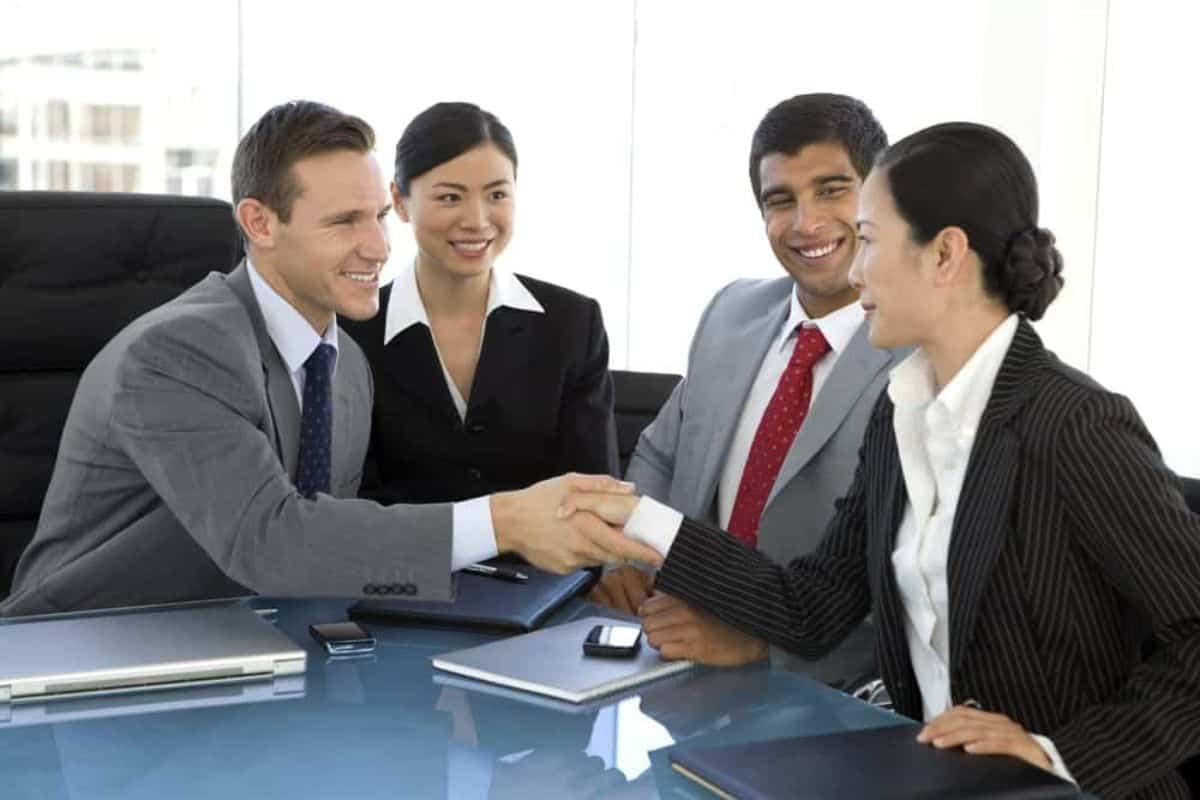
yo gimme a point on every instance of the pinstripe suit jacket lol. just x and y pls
(1071, 544)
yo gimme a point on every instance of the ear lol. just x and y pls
(399, 202)
(258, 222)
(950, 252)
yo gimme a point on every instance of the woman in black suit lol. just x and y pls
(1033, 571)
(485, 381)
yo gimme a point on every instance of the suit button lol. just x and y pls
(395, 588)
(410, 588)
(369, 588)
(476, 429)
(475, 473)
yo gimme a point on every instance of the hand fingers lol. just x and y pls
(612, 508)
(960, 716)
(601, 595)
(677, 615)
(597, 483)
(658, 603)
(676, 651)
(619, 546)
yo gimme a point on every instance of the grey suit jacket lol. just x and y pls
(174, 476)
(680, 456)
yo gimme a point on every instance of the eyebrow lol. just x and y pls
(462, 187)
(351, 215)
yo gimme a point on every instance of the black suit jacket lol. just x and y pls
(541, 403)
(1071, 544)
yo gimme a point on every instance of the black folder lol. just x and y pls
(486, 603)
(881, 763)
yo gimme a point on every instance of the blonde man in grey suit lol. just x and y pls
(727, 446)
(215, 446)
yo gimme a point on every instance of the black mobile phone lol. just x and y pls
(613, 641)
(343, 638)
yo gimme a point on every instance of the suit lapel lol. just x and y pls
(885, 511)
(981, 521)
(508, 345)
(738, 356)
(414, 366)
(851, 376)
(280, 391)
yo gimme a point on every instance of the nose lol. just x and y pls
(808, 220)
(475, 214)
(374, 244)
(856, 271)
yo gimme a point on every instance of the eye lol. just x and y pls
(448, 197)
(499, 194)
(777, 201)
(863, 240)
(826, 192)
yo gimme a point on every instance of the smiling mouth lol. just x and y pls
(819, 251)
(471, 248)
(370, 278)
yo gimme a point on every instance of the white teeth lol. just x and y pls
(361, 277)
(470, 247)
(820, 252)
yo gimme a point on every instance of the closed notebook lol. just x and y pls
(483, 602)
(881, 763)
(552, 662)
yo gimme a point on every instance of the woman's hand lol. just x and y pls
(984, 733)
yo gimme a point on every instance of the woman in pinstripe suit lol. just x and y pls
(1033, 571)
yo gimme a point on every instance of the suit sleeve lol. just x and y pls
(652, 465)
(588, 430)
(806, 607)
(190, 422)
(1130, 520)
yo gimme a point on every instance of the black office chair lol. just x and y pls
(638, 396)
(1191, 767)
(75, 268)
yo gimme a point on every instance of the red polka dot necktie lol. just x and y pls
(316, 424)
(780, 422)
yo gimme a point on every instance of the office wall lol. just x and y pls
(1147, 276)
(633, 120)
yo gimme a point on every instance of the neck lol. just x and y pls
(816, 306)
(958, 336)
(446, 294)
(318, 318)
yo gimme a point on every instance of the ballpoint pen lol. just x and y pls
(499, 573)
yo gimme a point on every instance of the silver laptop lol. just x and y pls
(46, 659)
(551, 662)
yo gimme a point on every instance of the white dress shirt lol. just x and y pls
(838, 328)
(405, 309)
(474, 537)
(934, 434)
(294, 338)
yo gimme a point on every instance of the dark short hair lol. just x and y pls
(286, 134)
(975, 178)
(443, 132)
(811, 118)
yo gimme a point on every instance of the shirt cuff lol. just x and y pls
(1056, 763)
(654, 524)
(474, 538)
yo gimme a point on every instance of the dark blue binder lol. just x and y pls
(486, 603)
(881, 763)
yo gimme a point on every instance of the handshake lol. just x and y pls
(569, 522)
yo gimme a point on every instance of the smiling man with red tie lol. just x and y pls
(762, 436)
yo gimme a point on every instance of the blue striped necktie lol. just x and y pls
(316, 423)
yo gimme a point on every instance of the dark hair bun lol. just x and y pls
(1032, 273)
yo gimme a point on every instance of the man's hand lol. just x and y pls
(531, 522)
(612, 507)
(678, 630)
(983, 733)
(624, 588)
